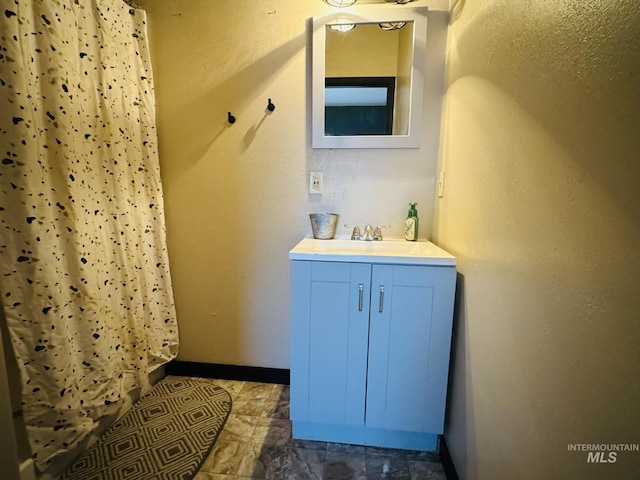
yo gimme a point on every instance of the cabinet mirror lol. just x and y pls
(367, 79)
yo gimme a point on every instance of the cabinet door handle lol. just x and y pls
(381, 299)
(360, 296)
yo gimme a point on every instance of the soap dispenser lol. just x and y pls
(411, 224)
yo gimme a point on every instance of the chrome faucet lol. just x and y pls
(370, 233)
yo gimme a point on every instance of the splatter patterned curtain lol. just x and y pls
(85, 277)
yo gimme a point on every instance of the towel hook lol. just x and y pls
(270, 106)
(230, 118)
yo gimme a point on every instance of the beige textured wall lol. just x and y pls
(236, 196)
(403, 81)
(541, 149)
(365, 51)
(9, 450)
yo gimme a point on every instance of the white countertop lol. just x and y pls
(378, 251)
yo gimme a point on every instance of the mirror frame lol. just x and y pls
(418, 15)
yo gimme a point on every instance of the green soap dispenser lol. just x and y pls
(411, 224)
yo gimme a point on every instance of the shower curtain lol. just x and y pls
(84, 274)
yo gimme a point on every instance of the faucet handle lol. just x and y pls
(355, 235)
(377, 232)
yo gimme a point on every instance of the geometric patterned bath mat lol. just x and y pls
(167, 434)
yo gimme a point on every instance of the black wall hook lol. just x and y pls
(230, 118)
(270, 106)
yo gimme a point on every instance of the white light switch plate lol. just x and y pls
(441, 185)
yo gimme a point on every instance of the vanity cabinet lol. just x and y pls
(370, 346)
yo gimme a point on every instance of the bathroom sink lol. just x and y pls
(361, 246)
(380, 251)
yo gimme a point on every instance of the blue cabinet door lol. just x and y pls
(410, 338)
(329, 336)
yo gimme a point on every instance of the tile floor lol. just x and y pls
(256, 444)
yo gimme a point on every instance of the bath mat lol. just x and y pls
(167, 434)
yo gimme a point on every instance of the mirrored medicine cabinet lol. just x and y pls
(367, 78)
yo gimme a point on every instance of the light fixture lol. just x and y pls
(340, 3)
(343, 27)
(392, 25)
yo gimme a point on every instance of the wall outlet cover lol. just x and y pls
(315, 183)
